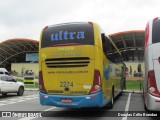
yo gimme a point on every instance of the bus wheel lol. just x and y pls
(110, 104)
(4, 94)
(145, 107)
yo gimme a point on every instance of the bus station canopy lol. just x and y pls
(130, 44)
(13, 50)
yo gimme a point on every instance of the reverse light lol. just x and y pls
(96, 87)
(152, 87)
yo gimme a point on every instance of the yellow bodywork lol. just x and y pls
(77, 80)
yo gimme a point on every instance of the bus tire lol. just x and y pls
(145, 107)
(20, 91)
(4, 94)
(110, 104)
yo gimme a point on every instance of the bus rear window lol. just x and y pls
(156, 31)
(76, 33)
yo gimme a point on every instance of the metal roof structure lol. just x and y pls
(130, 44)
(13, 50)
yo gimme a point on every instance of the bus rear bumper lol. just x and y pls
(93, 100)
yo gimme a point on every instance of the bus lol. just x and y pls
(151, 88)
(78, 66)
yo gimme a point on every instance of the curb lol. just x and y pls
(132, 91)
(31, 89)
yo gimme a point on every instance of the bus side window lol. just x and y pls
(103, 38)
(118, 58)
(108, 49)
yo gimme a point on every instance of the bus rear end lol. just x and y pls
(152, 65)
(68, 76)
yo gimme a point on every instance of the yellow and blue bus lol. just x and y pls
(78, 66)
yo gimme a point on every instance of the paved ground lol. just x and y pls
(134, 78)
(131, 102)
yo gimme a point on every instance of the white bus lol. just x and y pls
(151, 89)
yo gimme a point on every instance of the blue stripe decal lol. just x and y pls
(106, 71)
(93, 100)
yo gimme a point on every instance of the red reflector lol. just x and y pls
(155, 19)
(90, 23)
(45, 28)
(157, 100)
(66, 100)
(92, 97)
(43, 96)
(159, 60)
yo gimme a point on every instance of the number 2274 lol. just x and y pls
(66, 84)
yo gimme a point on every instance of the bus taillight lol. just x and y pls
(41, 83)
(146, 35)
(96, 83)
(152, 87)
(155, 19)
(159, 60)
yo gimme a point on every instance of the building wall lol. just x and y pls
(19, 67)
(134, 66)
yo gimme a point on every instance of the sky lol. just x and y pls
(26, 18)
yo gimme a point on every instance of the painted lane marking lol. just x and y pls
(127, 106)
(49, 109)
(1, 104)
(17, 100)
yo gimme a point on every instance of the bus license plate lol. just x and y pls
(65, 100)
